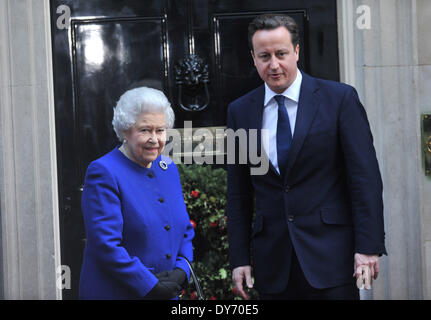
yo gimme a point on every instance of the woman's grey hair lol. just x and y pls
(136, 101)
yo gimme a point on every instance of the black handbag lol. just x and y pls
(199, 292)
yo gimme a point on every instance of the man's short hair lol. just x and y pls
(270, 21)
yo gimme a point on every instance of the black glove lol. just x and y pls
(177, 275)
(164, 290)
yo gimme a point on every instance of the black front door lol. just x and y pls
(102, 48)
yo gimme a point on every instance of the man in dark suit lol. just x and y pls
(318, 210)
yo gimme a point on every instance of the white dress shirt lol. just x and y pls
(270, 115)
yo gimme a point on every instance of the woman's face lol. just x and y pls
(146, 138)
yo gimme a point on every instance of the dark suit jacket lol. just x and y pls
(329, 204)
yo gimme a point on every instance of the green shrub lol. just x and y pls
(204, 190)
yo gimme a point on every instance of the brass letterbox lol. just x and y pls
(426, 142)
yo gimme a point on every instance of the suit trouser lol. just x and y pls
(298, 288)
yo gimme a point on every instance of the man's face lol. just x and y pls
(275, 58)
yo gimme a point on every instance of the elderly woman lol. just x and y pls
(138, 229)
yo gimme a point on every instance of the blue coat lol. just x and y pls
(329, 204)
(136, 224)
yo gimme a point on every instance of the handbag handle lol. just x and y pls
(195, 279)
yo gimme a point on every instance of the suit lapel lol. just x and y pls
(255, 110)
(255, 120)
(307, 107)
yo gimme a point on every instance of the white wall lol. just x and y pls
(391, 60)
(424, 105)
(28, 187)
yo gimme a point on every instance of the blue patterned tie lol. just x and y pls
(284, 135)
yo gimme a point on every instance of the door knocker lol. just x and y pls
(191, 76)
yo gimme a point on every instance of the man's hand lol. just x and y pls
(238, 275)
(366, 269)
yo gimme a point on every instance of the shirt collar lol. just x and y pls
(292, 92)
